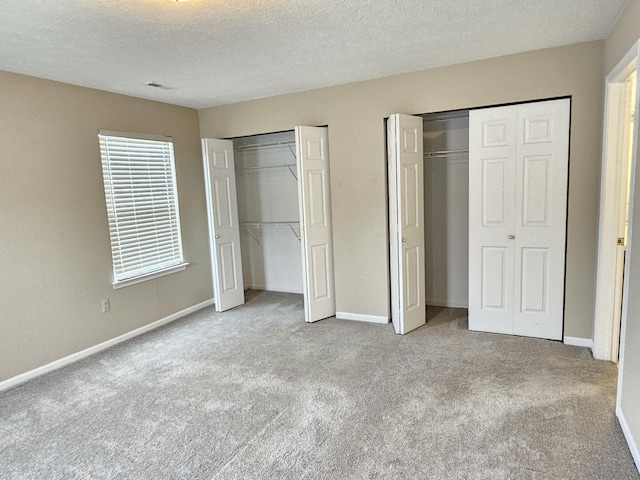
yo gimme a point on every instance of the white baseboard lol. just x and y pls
(437, 303)
(633, 446)
(578, 342)
(358, 317)
(63, 362)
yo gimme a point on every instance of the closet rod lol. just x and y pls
(255, 146)
(444, 117)
(446, 153)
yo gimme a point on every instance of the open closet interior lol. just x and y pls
(446, 208)
(268, 212)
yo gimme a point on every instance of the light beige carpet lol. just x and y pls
(255, 393)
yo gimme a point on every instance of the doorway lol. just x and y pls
(618, 165)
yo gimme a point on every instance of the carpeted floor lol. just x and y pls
(255, 393)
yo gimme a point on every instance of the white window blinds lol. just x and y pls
(142, 205)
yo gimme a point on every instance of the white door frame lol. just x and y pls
(606, 326)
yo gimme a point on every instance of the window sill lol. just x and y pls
(149, 276)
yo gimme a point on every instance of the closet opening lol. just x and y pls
(269, 212)
(446, 209)
(477, 216)
(428, 217)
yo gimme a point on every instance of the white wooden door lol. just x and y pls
(406, 222)
(518, 177)
(316, 236)
(492, 182)
(224, 229)
(542, 169)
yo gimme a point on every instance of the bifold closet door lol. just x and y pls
(316, 236)
(224, 228)
(518, 174)
(406, 222)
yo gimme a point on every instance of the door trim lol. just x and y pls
(605, 326)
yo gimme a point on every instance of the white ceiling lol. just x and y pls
(212, 52)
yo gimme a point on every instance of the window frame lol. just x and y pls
(120, 277)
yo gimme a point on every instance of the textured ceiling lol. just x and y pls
(212, 52)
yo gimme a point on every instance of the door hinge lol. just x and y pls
(621, 241)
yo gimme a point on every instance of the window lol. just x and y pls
(142, 206)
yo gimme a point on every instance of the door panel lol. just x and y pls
(494, 194)
(538, 129)
(494, 286)
(316, 236)
(412, 280)
(222, 203)
(228, 267)
(536, 198)
(224, 229)
(495, 133)
(542, 169)
(317, 188)
(406, 222)
(320, 263)
(532, 142)
(492, 148)
(409, 199)
(535, 280)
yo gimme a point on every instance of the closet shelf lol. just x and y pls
(268, 224)
(292, 169)
(445, 116)
(446, 153)
(257, 146)
(251, 226)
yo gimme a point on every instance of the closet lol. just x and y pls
(268, 202)
(505, 225)
(428, 214)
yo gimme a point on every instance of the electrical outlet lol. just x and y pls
(106, 305)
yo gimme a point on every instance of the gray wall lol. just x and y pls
(55, 256)
(355, 115)
(621, 39)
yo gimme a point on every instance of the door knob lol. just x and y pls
(217, 236)
(404, 239)
(512, 237)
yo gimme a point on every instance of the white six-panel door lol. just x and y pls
(315, 222)
(518, 173)
(406, 222)
(224, 229)
(492, 218)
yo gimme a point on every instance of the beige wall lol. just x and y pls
(621, 39)
(355, 115)
(55, 258)
(625, 33)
